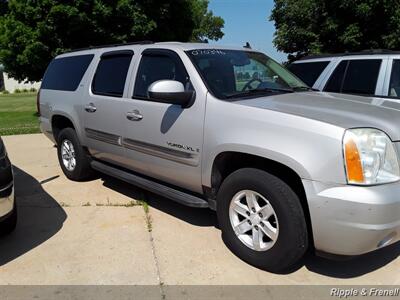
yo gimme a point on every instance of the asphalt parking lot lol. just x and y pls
(96, 232)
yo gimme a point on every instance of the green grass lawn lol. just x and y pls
(18, 114)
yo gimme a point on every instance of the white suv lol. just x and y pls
(368, 73)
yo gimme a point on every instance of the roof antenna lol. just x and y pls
(247, 45)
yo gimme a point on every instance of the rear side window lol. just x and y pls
(111, 73)
(355, 77)
(66, 73)
(308, 72)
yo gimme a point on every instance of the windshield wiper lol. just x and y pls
(258, 91)
(304, 88)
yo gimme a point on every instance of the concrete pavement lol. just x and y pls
(96, 233)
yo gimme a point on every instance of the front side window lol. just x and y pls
(156, 66)
(355, 77)
(394, 86)
(236, 73)
(110, 76)
(308, 71)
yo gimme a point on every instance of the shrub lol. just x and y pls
(33, 90)
(17, 91)
(5, 92)
(25, 90)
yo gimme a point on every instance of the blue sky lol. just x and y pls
(247, 21)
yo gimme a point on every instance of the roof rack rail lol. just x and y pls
(362, 52)
(111, 45)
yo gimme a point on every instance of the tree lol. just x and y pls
(33, 32)
(207, 26)
(330, 26)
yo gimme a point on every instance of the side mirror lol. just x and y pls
(170, 91)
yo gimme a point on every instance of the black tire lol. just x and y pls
(8, 225)
(82, 170)
(292, 240)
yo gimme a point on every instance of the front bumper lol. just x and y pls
(7, 197)
(353, 220)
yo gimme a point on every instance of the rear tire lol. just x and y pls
(73, 158)
(8, 225)
(273, 232)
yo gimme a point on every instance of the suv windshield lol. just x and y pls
(236, 73)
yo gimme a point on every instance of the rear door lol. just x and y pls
(103, 108)
(165, 140)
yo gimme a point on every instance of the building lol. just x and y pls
(10, 85)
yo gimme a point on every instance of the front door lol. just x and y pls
(163, 140)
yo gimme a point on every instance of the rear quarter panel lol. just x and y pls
(66, 103)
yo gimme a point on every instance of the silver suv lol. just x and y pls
(287, 169)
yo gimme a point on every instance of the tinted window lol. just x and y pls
(111, 75)
(308, 72)
(394, 87)
(158, 67)
(355, 77)
(361, 76)
(66, 73)
(335, 81)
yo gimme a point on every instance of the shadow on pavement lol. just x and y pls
(39, 218)
(194, 216)
(353, 267)
(349, 268)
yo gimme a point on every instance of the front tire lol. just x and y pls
(262, 220)
(73, 159)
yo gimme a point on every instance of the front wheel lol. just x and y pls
(262, 220)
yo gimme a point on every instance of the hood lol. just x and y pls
(346, 111)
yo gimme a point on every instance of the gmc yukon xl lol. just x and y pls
(286, 169)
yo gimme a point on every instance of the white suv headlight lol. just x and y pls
(370, 157)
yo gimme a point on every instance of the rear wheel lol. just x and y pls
(262, 220)
(73, 158)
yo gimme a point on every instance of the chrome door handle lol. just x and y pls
(134, 115)
(90, 108)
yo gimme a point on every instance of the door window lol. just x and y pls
(394, 86)
(111, 73)
(158, 65)
(355, 77)
(361, 77)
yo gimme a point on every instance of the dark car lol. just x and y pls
(8, 209)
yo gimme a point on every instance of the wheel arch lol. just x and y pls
(60, 121)
(227, 162)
